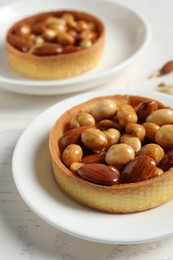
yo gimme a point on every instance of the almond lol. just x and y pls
(38, 28)
(98, 173)
(139, 169)
(94, 158)
(71, 136)
(145, 109)
(167, 161)
(48, 49)
(18, 42)
(167, 68)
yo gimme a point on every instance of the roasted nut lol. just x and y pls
(85, 43)
(81, 26)
(81, 119)
(167, 161)
(71, 137)
(119, 154)
(139, 169)
(75, 166)
(49, 34)
(94, 139)
(39, 40)
(68, 17)
(72, 153)
(145, 109)
(94, 158)
(30, 41)
(150, 129)
(92, 26)
(126, 114)
(113, 168)
(88, 35)
(38, 28)
(113, 136)
(161, 117)
(158, 171)
(53, 21)
(133, 141)
(104, 109)
(47, 49)
(23, 30)
(98, 173)
(70, 49)
(59, 27)
(73, 33)
(136, 130)
(65, 39)
(164, 136)
(18, 42)
(72, 25)
(155, 151)
(107, 123)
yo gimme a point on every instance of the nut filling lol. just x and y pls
(53, 33)
(116, 145)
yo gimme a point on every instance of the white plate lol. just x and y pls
(34, 179)
(127, 36)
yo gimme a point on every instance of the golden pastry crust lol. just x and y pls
(61, 66)
(121, 198)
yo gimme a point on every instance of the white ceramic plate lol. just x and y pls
(34, 179)
(127, 36)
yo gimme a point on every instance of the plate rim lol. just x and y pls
(106, 73)
(61, 227)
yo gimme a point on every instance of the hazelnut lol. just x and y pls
(65, 39)
(133, 141)
(155, 151)
(94, 139)
(126, 114)
(119, 154)
(164, 136)
(85, 43)
(104, 109)
(49, 34)
(72, 153)
(161, 117)
(136, 130)
(150, 129)
(75, 166)
(81, 25)
(158, 171)
(82, 118)
(113, 136)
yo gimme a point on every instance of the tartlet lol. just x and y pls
(55, 45)
(129, 194)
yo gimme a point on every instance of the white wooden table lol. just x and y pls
(23, 235)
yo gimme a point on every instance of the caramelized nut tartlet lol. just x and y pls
(115, 153)
(55, 45)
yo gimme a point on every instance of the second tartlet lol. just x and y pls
(55, 45)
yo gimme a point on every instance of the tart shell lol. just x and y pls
(118, 198)
(57, 66)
